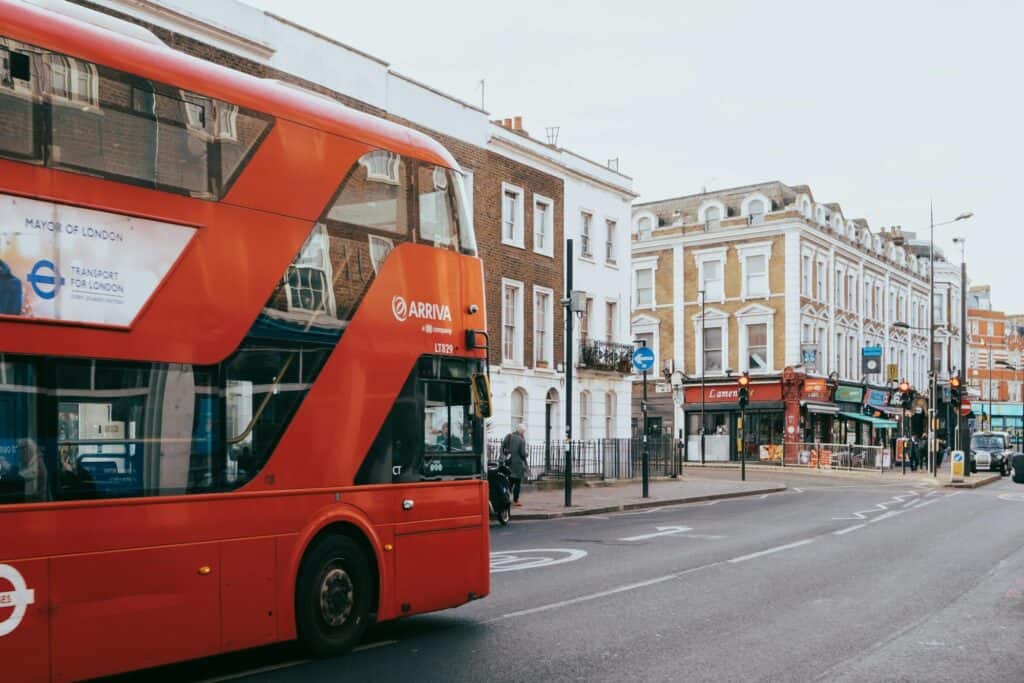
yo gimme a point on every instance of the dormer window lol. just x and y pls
(822, 217)
(805, 207)
(755, 211)
(644, 227)
(712, 217)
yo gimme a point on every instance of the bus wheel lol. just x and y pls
(333, 596)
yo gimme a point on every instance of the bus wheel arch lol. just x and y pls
(337, 588)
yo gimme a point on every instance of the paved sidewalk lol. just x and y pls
(591, 500)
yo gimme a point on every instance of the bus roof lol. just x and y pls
(128, 52)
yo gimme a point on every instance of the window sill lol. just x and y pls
(544, 252)
(614, 265)
(511, 243)
(589, 258)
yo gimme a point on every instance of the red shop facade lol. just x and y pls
(719, 415)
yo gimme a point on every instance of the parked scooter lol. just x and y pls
(500, 491)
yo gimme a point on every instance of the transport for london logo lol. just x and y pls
(19, 598)
(44, 279)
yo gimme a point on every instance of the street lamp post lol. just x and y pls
(703, 356)
(932, 372)
(574, 303)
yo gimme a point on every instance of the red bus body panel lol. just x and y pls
(121, 584)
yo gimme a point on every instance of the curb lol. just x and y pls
(622, 507)
(976, 481)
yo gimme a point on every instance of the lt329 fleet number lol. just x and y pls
(440, 347)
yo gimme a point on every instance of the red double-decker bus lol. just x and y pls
(240, 388)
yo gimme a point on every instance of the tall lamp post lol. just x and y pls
(965, 438)
(1015, 369)
(703, 356)
(932, 372)
(573, 303)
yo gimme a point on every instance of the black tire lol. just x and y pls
(504, 515)
(333, 596)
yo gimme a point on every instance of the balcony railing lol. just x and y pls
(608, 356)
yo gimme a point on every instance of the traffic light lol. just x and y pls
(906, 395)
(956, 390)
(744, 390)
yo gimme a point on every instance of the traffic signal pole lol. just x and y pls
(743, 397)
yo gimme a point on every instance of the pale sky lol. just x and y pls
(879, 106)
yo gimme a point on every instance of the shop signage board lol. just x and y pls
(871, 360)
(877, 397)
(729, 393)
(815, 389)
(848, 394)
(892, 372)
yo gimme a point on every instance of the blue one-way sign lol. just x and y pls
(643, 359)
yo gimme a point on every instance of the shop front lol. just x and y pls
(818, 411)
(719, 415)
(850, 400)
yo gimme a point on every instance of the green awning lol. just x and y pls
(876, 422)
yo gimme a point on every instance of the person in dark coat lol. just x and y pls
(514, 448)
(10, 291)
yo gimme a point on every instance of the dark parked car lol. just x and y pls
(991, 451)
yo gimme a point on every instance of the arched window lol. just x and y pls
(584, 415)
(712, 216)
(609, 415)
(755, 211)
(518, 407)
(644, 227)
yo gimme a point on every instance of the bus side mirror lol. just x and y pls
(481, 387)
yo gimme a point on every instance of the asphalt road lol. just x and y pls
(832, 580)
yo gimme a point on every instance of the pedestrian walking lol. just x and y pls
(513, 447)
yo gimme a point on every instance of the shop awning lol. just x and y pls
(825, 408)
(876, 422)
(889, 410)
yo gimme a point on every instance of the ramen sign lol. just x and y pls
(729, 393)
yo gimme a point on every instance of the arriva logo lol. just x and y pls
(403, 310)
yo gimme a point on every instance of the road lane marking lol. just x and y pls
(371, 646)
(254, 672)
(641, 512)
(848, 529)
(534, 558)
(770, 551)
(602, 594)
(887, 515)
(798, 490)
(661, 531)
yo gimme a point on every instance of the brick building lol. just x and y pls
(518, 197)
(765, 279)
(995, 375)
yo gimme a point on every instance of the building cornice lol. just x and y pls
(624, 193)
(211, 32)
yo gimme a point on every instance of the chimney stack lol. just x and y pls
(517, 123)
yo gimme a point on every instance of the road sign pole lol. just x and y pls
(646, 456)
(643, 360)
